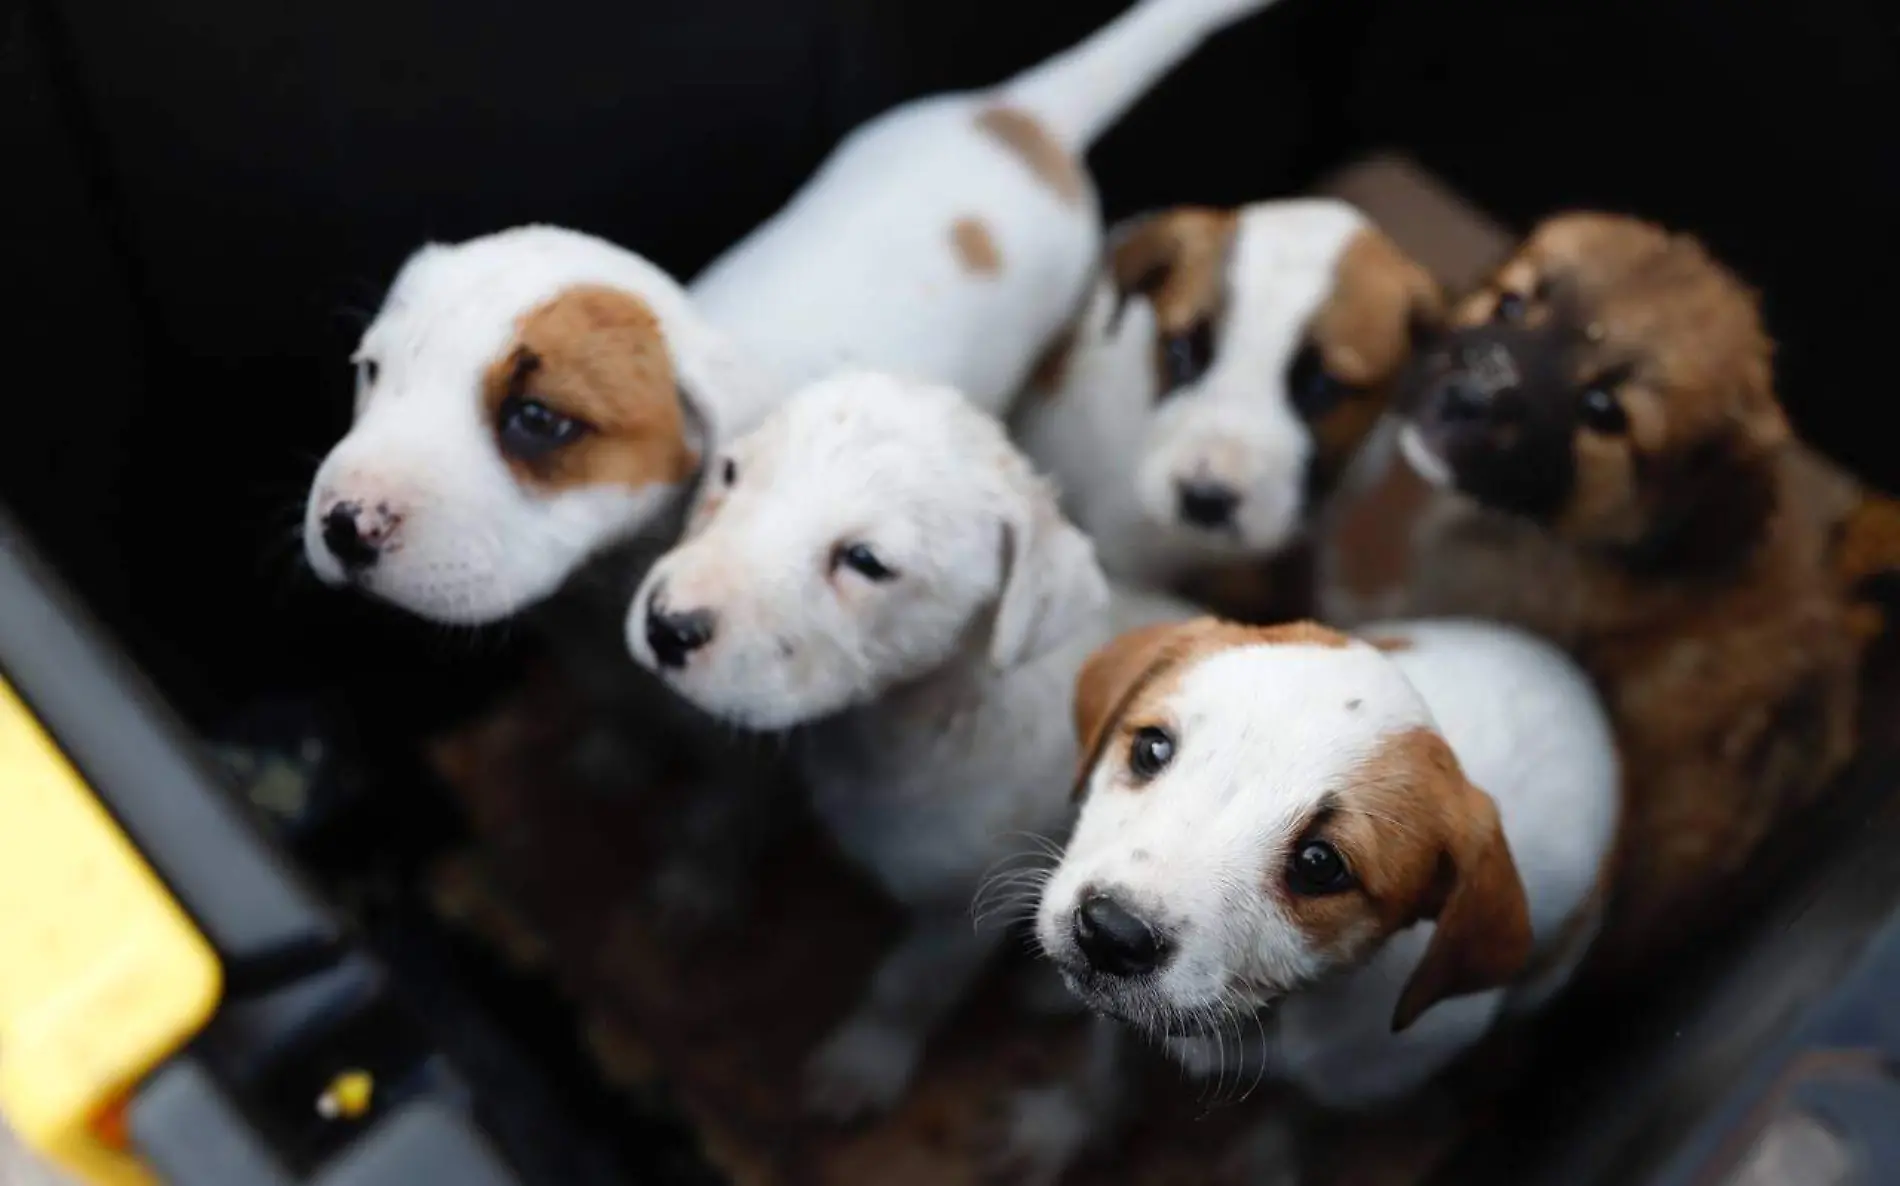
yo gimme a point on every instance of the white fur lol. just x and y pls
(1263, 733)
(1119, 447)
(859, 268)
(940, 742)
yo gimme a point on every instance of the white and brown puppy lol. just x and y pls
(1223, 374)
(878, 562)
(526, 398)
(1354, 856)
(522, 401)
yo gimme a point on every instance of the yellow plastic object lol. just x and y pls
(348, 1097)
(102, 975)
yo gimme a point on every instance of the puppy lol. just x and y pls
(878, 563)
(523, 400)
(1227, 367)
(527, 398)
(1340, 861)
(1595, 451)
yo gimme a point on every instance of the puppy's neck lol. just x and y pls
(959, 685)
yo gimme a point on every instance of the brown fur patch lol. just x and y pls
(1363, 333)
(1422, 843)
(598, 355)
(1044, 155)
(975, 247)
(1363, 330)
(1121, 680)
(1177, 259)
(1866, 555)
(1389, 643)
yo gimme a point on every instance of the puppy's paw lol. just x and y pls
(860, 1071)
(1268, 1155)
(1043, 1131)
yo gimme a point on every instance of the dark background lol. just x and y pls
(208, 195)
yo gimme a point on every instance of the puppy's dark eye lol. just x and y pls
(1314, 392)
(368, 370)
(1316, 869)
(1150, 752)
(729, 472)
(859, 558)
(529, 428)
(1601, 411)
(1186, 356)
(1510, 308)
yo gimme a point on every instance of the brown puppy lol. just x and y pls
(1626, 483)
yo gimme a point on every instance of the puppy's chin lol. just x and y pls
(1144, 1008)
(460, 596)
(1252, 537)
(737, 702)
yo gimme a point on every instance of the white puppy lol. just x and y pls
(877, 561)
(526, 398)
(1354, 856)
(1224, 372)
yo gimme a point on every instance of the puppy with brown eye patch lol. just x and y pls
(1225, 370)
(1595, 451)
(1346, 859)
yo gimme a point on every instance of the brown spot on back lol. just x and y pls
(975, 247)
(598, 355)
(1044, 155)
(1422, 843)
(1389, 643)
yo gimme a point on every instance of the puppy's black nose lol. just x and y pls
(674, 636)
(344, 537)
(1207, 504)
(1115, 942)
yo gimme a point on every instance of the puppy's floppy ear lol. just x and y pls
(1052, 583)
(1141, 253)
(1483, 937)
(1161, 256)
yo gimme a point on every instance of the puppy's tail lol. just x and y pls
(1866, 559)
(1078, 94)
